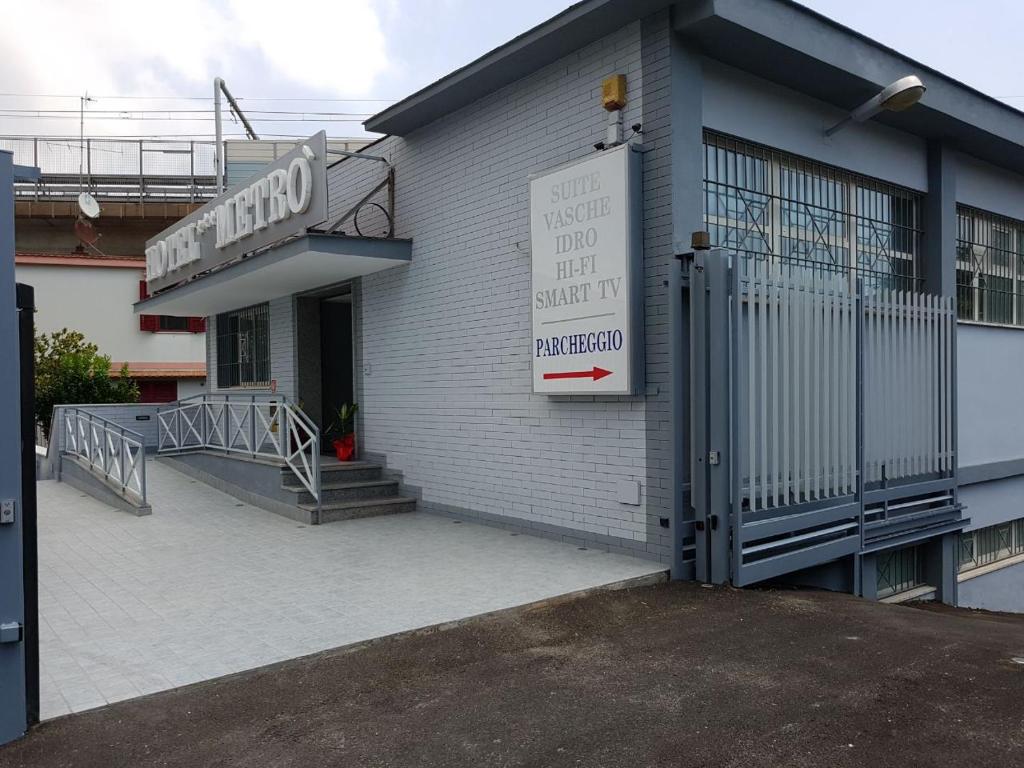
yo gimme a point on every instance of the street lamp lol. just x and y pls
(896, 97)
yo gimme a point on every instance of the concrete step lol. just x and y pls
(346, 491)
(352, 510)
(334, 471)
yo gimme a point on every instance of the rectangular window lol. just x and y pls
(985, 546)
(989, 267)
(243, 347)
(786, 213)
(900, 570)
(168, 323)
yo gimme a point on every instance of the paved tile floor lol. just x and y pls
(207, 586)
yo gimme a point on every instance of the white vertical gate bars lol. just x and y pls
(797, 357)
(796, 408)
(908, 386)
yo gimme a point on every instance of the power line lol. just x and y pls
(28, 111)
(159, 136)
(183, 119)
(194, 98)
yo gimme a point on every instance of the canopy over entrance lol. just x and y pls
(310, 261)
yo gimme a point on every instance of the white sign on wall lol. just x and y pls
(585, 243)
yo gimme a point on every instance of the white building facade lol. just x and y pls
(413, 295)
(95, 296)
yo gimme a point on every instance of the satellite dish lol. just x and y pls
(88, 205)
(85, 231)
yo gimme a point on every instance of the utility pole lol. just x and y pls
(81, 139)
(218, 87)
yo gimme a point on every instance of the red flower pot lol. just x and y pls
(345, 448)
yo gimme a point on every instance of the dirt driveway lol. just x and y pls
(670, 675)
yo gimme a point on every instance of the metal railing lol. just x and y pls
(248, 425)
(115, 169)
(116, 453)
(155, 170)
(900, 570)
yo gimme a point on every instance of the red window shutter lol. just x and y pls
(149, 323)
(143, 291)
(197, 325)
(158, 390)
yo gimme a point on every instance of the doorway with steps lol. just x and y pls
(325, 357)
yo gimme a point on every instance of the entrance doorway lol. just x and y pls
(325, 356)
(335, 355)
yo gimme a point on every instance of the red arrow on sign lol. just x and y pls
(595, 374)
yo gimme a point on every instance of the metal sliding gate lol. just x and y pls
(823, 418)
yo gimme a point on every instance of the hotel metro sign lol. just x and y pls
(586, 250)
(287, 197)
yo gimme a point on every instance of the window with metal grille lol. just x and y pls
(243, 347)
(784, 213)
(989, 267)
(985, 546)
(900, 570)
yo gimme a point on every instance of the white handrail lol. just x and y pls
(117, 453)
(250, 425)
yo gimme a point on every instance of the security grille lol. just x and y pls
(989, 267)
(985, 546)
(243, 348)
(785, 214)
(900, 570)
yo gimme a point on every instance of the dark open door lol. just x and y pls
(336, 355)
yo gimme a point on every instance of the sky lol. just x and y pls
(148, 65)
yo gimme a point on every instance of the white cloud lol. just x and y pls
(142, 47)
(330, 45)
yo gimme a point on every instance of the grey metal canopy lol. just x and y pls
(311, 261)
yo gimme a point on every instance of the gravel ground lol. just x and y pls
(666, 675)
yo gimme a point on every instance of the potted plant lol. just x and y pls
(343, 430)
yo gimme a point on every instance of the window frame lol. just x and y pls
(231, 370)
(990, 545)
(793, 204)
(981, 260)
(899, 562)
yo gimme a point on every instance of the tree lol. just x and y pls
(70, 370)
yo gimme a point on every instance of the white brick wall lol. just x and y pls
(282, 345)
(445, 342)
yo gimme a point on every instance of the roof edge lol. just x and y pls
(583, 22)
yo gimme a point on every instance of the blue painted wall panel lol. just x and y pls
(1001, 590)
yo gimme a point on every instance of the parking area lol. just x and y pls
(207, 586)
(672, 675)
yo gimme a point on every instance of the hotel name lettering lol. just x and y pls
(270, 200)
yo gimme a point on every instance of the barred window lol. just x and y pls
(985, 546)
(783, 212)
(989, 267)
(243, 347)
(900, 570)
